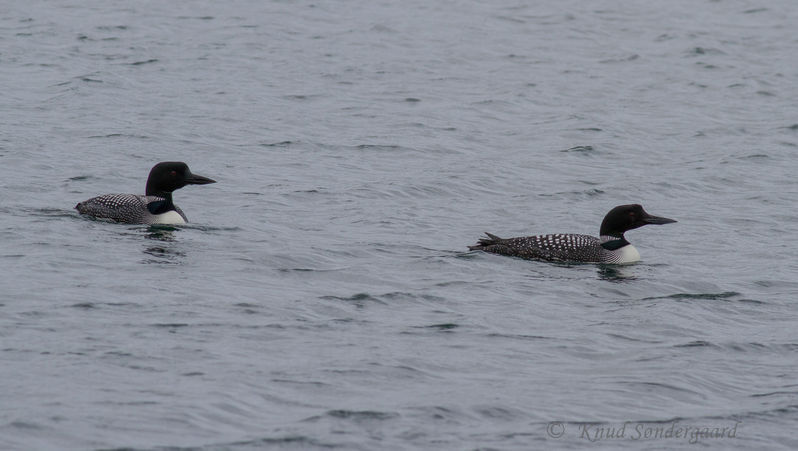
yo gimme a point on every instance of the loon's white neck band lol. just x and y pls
(170, 217)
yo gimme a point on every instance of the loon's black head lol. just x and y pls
(168, 176)
(628, 217)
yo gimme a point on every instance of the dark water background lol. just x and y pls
(322, 296)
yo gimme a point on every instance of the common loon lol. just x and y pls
(155, 207)
(611, 247)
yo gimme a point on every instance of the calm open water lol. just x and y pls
(323, 297)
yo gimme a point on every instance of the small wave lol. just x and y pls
(361, 415)
(359, 299)
(587, 193)
(705, 51)
(755, 156)
(500, 413)
(305, 270)
(518, 336)
(633, 339)
(403, 295)
(658, 386)
(277, 144)
(443, 327)
(779, 412)
(301, 383)
(53, 213)
(301, 96)
(695, 344)
(579, 149)
(705, 66)
(119, 135)
(775, 393)
(709, 296)
(25, 425)
(380, 28)
(111, 27)
(140, 63)
(631, 57)
(208, 228)
(439, 413)
(381, 147)
(298, 441)
(786, 348)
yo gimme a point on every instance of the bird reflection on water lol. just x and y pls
(162, 249)
(615, 273)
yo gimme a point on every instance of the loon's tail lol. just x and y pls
(485, 242)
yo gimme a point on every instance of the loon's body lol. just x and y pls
(131, 209)
(610, 247)
(156, 207)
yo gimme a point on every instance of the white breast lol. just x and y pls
(628, 254)
(172, 217)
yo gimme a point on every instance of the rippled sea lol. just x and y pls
(323, 296)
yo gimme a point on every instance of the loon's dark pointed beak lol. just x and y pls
(195, 179)
(648, 219)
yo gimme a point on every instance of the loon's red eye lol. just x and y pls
(174, 173)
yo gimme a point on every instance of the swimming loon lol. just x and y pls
(611, 247)
(155, 207)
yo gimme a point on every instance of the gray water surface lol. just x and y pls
(323, 295)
